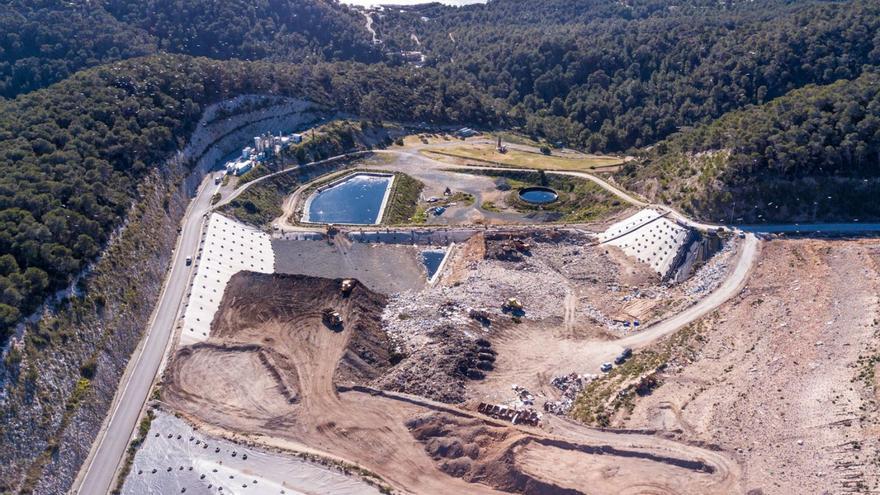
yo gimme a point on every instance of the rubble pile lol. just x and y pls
(570, 385)
(440, 368)
(509, 250)
(710, 275)
(523, 396)
(527, 416)
(409, 316)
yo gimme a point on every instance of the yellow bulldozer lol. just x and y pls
(512, 305)
(347, 286)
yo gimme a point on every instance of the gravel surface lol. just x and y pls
(381, 267)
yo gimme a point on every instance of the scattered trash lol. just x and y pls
(570, 385)
(526, 416)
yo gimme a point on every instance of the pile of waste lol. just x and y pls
(570, 385)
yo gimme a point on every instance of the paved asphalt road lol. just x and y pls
(99, 470)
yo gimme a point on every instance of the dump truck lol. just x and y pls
(347, 286)
(331, 318)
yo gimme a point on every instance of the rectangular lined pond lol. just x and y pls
(357, 199)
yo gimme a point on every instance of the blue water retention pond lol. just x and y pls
(538, 195)
(432, 259)
(357, 199)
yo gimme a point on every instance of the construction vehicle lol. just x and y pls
(347, 286)
(331, 318)
(512, 305)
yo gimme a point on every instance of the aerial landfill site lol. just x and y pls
(620, 355)
(439, 247)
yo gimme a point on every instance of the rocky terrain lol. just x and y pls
(784, 374)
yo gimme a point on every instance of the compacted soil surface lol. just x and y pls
(274, 372)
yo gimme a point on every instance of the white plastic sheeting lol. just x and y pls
(648, 237)
(228, 248)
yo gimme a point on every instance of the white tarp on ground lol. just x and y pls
(228, 248)
(648, 237)
(202, 464)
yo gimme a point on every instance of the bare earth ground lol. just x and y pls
(270, 328)
(778, 377)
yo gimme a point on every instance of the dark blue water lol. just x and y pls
(538, 195)
(355, 201)
(432, 260)
(829, 228)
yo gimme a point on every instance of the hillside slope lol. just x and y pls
(611, 76)
(46, 41)
(811, 155)
(72, 155)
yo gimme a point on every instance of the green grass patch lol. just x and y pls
(490, 206)
(618, 389)
(403, 204)
(580, 200)
(258, 171)
(515, 158)
(261, 203)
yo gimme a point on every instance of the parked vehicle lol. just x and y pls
(606, 367)
(623, 356)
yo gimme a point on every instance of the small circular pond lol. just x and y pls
(538, 195)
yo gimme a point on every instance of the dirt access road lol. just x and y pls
(421, 161)
(99, 470)
(108, 450)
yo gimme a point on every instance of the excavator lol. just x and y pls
(512, 305)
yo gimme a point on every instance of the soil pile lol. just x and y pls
(254, 299)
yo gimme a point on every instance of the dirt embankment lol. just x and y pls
(290, 300)
(516, 461)
(784, 373)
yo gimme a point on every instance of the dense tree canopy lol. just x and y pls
(606, 76)
(72, 154)
(813, 154)
(44, 41)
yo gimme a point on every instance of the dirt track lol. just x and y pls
(270, 327)
(780, 373)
